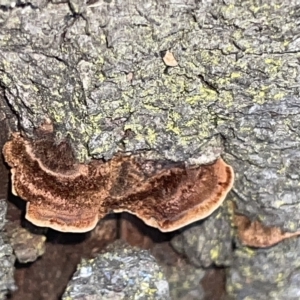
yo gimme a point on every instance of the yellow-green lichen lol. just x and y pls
(214, 253)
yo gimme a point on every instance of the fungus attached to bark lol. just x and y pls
(68, 196)
(60, 193)
(257, 235)
(173, 196)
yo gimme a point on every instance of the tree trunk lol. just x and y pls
(182, 82)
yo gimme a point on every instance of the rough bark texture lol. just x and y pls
(123, 272)
(95, 70)
(208, 242)
(7, 258)
(265, 273)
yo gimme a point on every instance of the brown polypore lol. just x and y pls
(68, 196)
(255, 234)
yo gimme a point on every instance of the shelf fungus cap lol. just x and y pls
(179, 196)
(67, 196)
(67, 220)
(59, 192)
(257, 235)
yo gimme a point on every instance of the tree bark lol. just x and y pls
(96, 70)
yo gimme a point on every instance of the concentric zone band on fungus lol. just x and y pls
(71, 197)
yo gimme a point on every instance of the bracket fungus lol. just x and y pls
(71, 197)
(255, 234)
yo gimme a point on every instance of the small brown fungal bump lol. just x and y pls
(68, 196)
(255, 234)
(45, 127)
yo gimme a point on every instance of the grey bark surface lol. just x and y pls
(7, 257)
(265, 273)
(122, 272)
(27, 246)
(208, 242)
(95, 69)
